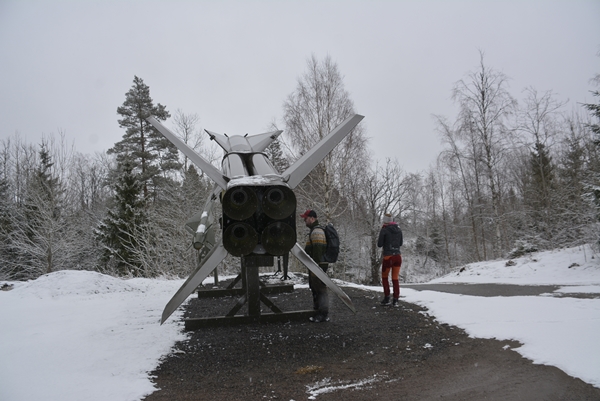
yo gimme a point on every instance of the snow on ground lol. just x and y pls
(74, 335)
(557, 331)
(572, 266)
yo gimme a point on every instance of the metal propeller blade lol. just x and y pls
(214, 257)
(198, 160)
(303, 257)
(304, 165)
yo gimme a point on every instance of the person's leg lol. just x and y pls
(385, 271)
(396, 264)
(313, 289)
(322, 297)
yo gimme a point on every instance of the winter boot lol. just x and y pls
(386, 301)
(319, 318)
(395, 302)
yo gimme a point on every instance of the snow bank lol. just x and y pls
(76, 335)
(577, 265)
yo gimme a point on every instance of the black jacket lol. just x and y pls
(390, 238)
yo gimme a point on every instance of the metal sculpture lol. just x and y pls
(258, 215)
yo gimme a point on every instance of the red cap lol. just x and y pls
(309, 213)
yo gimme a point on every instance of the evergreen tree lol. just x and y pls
(149, 153)
(539, 193)
(572, 171)
(542, 173)
(275, 155)
(6, 210)
(592, 187)
(119, 231)
(39, 228)
(571, 209)
(595, 110)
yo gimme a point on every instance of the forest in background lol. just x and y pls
(514, 176)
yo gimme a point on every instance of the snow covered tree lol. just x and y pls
(594, 109)
(119, 232)
(167, 245)
(149, 152)
(539, 191)
(38, 235)
(592, 187)
(7, 207)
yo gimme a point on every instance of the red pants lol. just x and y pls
(393, 263)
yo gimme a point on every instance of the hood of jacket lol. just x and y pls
(392, 227)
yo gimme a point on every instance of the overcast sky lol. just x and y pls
(65, 66)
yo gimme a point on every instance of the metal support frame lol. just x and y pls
(252, 294)
(286, 260)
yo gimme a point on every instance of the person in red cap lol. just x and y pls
(316, 245)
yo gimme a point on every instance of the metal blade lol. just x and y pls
(303, 257)
(260, 142)
(254, 144)
(304, 165)
(198, 160)
(214, 257)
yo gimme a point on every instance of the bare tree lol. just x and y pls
(463, 163)
(384, 191)
(319, 103)
(485, 105)
(186, 128)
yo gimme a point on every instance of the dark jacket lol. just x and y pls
(390, 238)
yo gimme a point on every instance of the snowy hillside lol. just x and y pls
(570, 266)
(74, 335)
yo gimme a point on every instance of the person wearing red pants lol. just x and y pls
(390, 239)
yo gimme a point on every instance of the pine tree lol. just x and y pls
(570, 206)
(592, 187)
(39, 228)
(572, 171)
(150, 153)
(6, 210)
(275, 155)
(595, 110)
(119, 231)
(539, 192)
(542, 172)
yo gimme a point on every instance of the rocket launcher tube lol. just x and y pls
(233, 166)
(259, 164)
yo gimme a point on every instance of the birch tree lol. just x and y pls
(318, 104)
(485, 106)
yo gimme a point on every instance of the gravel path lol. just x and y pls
(379, 353)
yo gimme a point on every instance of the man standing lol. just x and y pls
(390, 238)
(316, 245)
